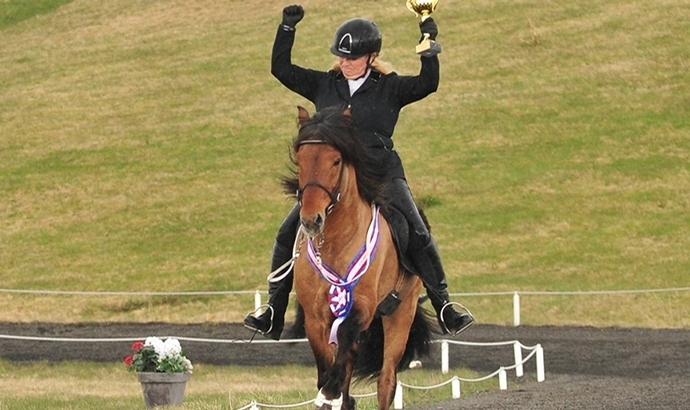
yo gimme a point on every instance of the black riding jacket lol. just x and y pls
(375, 106)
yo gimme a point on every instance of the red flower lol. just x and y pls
(128, 360)
(136, 346)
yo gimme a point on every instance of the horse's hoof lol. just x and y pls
(329, 407)
(415, 364)
(322, 403)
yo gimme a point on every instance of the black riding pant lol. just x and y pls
(421, 248)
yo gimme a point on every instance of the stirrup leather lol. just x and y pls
(462, 308)
(254, 314)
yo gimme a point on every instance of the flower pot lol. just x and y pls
(163, 389)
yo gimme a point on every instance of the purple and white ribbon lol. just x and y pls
(340, 292)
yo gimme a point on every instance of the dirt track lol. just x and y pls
(586, 368)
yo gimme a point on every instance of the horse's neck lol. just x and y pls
(348, 223)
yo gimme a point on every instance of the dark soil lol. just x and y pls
(586, 368)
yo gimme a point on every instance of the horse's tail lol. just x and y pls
(370, 357)
(419, 341)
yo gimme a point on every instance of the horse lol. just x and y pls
(359, 306)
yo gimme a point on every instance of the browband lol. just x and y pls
(312, 142)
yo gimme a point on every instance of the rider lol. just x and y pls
(375, 96)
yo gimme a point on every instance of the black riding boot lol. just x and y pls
(428, 263)
(271, 322)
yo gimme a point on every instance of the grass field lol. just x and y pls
(78, 386)
(141, 144)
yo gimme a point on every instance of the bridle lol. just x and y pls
(334, 195)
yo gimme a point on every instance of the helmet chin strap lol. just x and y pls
(370, 59)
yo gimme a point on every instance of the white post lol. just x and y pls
(455, 386)
(398, 399)
(254, 406)
(517, 349)
(540, 364)
(444, 357)
(516, 309)
(502, 379)
(257, 301)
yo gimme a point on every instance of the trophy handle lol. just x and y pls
(428, 47)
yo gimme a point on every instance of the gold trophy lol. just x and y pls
(423, 9)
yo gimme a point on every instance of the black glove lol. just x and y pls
(292, 15)
(429, 27)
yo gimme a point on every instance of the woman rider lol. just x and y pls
(375, 97)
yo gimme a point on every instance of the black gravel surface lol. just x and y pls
(586, 368)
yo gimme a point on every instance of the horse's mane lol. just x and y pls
(335, 128)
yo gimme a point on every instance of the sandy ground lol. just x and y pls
(586, 368)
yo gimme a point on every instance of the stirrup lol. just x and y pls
(443, 322)
(253, 314)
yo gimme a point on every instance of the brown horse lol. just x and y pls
(359, 306)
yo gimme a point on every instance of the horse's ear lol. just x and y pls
(302, 115)
(347, 112)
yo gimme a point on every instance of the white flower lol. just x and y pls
(187, 364)
(157, 344)
(168, 354)
(171, 348)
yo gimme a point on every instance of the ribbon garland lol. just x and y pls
(340, 292)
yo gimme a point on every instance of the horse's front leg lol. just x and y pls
(317, 334)
(323, 355)
(339, 376)
(396, 329)
(349, 402)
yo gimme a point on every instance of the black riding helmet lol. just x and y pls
(355, 38)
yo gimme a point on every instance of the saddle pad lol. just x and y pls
(400, 231)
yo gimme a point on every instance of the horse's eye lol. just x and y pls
(337, 162)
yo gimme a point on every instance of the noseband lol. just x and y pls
(333, 195)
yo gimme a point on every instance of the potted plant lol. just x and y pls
(162, 369)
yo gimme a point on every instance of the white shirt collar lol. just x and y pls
(355, 84)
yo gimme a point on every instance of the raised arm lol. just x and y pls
(298, 79)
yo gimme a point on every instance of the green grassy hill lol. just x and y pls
(141, 144)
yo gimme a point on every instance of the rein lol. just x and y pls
(285, 269)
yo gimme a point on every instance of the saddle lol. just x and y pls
(400, 230)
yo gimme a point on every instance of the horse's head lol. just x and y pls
(331, 160)
(321, 167)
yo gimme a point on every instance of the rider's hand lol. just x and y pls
(429, 27)
(292, 15)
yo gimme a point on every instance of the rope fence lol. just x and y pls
(249, 292)
(258, 294)
(454, 381)
(97, 293)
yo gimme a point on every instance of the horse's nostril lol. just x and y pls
(313, 226)
(305, 222)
